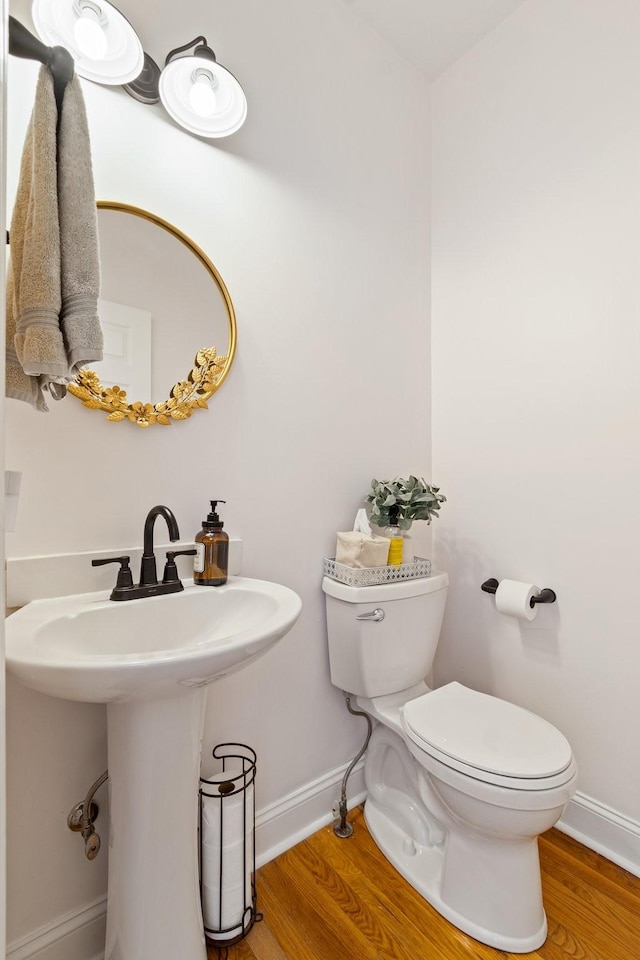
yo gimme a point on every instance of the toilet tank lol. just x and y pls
(391, 650)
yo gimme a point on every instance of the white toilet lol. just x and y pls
(459, 784)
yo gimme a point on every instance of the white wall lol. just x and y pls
(536, 353)
(316, 215)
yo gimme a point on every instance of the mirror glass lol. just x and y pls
(162, 301)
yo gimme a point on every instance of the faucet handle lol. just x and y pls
(125, 577)
(170, 569)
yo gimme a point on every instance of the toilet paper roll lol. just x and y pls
(227, 856)
(513, 598)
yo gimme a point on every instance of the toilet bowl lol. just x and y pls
(459, 784)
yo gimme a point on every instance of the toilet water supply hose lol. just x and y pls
(341, 828)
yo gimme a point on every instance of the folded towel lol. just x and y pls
(53, 279)
(35, 346)
(19, 386)
(80, 264)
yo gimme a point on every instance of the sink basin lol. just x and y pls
(150, 661)
(89, 648)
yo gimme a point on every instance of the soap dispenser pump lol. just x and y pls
(212, 546)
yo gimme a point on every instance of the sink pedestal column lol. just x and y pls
(153, 908)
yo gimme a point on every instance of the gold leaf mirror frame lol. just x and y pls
(203, 380)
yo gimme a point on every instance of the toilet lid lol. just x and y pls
(486, 733)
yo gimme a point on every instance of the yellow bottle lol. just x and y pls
(395, 546)
(212, 558)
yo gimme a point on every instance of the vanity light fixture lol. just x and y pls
(202, 96)
(102, 42)
(196, 91)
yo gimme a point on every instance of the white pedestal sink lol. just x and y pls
(150, 661)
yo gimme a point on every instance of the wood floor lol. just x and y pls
(332, 899)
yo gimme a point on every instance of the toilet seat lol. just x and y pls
(488, 739)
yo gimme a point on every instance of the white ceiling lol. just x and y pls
(432, 34)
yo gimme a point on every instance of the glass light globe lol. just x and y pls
(89, 35)
(202, 95)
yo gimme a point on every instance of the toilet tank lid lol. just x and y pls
(398, 590)
(487, 733)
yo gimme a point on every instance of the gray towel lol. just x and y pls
(80, 263)
(35, 345)
(53, 277)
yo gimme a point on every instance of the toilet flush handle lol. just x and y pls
(376, 615)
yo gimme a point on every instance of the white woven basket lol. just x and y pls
(371, 576)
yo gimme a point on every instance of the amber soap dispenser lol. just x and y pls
(212, 544)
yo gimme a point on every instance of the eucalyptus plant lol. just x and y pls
(398, 502)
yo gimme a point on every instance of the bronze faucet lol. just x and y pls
(149, 586)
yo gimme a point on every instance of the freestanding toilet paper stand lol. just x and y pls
(227, 846)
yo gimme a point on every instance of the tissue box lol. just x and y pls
(354, 549)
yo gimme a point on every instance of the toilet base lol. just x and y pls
(422, 867)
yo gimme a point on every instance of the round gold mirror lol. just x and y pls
(163, 306)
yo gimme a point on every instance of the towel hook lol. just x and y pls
(23, 44)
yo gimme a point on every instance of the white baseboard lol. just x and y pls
(77, 935)
(288, 821)
(603, 829)
(80, 934)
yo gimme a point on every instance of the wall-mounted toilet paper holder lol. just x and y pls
(547, 595)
